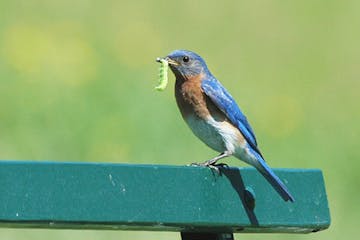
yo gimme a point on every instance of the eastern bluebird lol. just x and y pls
(214, 117)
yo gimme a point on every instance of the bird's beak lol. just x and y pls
(169, 60)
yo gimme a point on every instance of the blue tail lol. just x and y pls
(274, 180)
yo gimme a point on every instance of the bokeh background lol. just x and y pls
(77, 79)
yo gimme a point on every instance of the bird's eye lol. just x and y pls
(186, 59)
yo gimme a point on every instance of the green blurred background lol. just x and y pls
(77, 82)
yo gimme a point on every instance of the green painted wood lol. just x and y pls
(158, 197)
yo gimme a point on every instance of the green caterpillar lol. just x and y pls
(163, 77)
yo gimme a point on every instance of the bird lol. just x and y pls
(215, 118)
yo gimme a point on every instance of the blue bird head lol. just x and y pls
(186, 64)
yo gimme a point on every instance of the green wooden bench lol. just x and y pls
(196, 201)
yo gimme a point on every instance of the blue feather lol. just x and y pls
(226, 103)
(271, 177)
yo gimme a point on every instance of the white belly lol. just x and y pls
(219, 135)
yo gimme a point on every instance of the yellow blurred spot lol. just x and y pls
(108, 151)
(105, 137)
(281, 116)
(49, 52)
(136, 48)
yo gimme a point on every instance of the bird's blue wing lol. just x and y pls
(225, 102)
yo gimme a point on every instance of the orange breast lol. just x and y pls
(206, 120)
(191, 99)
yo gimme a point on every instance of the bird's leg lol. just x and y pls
(212, 162)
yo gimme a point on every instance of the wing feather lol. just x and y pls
(226, 103)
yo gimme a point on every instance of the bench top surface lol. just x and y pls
(158, 197)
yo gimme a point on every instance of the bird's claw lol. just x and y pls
(215, 167)
(195, 164)
(201, 164)
(223, 165)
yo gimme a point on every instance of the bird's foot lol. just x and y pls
(212, 162)
(221, 165)
(207, 164)
(218, 167)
